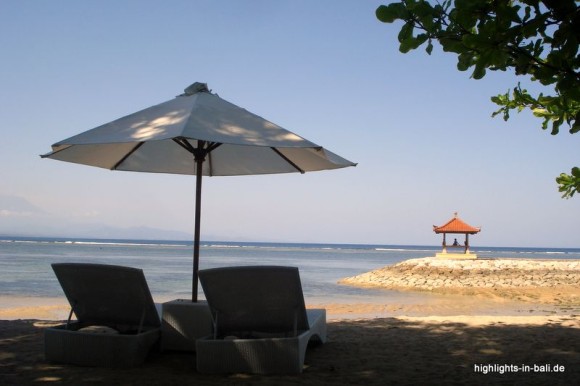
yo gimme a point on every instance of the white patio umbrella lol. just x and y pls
(196, 133)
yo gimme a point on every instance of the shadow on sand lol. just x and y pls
(367, 352)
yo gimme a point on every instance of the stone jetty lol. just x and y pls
(465, 276)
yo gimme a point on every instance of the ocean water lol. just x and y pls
(25, 269)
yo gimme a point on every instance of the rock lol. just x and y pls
(430, 273)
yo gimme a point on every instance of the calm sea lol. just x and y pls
(25, 269)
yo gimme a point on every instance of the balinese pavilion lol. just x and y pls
(456, 226)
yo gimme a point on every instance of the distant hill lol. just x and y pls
(19, 217)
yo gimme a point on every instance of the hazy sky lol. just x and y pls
(420, 130)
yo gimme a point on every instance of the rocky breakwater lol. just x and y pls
(551, 281)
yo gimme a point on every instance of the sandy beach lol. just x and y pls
(465, 340)
(475, 334)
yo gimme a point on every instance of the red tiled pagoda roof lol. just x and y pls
(456, 225)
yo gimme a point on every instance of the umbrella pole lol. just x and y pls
(198, 179)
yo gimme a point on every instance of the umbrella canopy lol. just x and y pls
(196, 133)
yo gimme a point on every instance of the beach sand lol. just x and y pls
(471, 339)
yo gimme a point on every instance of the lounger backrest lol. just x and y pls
(262, 298)
(105, 294)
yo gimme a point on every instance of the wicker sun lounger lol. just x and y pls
(117, 322)
(260, 322)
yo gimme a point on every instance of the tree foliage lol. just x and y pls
(536, 39)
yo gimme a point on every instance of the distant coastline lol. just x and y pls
(523, 251)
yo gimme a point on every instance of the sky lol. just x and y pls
(420, 130)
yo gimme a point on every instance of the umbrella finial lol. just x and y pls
(195, 88)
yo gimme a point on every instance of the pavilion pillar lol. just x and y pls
(456, 227)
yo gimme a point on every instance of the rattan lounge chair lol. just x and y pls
(261, 325)
(117, 322)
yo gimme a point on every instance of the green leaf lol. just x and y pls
(406, 32)
(555, 127)
(420, 39)
(406, 46)
(478, 72)
(540, 113)
(423, 8)
(464, 61)
(390, 13)
(569, 184)
(429, 48)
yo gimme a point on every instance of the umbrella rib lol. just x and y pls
(200, 153)
(209, 165)
(287, 160)
(187, 146)
(210, 148)
(184, 144)
(127, 155)
(213, 146)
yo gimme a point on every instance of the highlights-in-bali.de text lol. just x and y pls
(505, 368)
